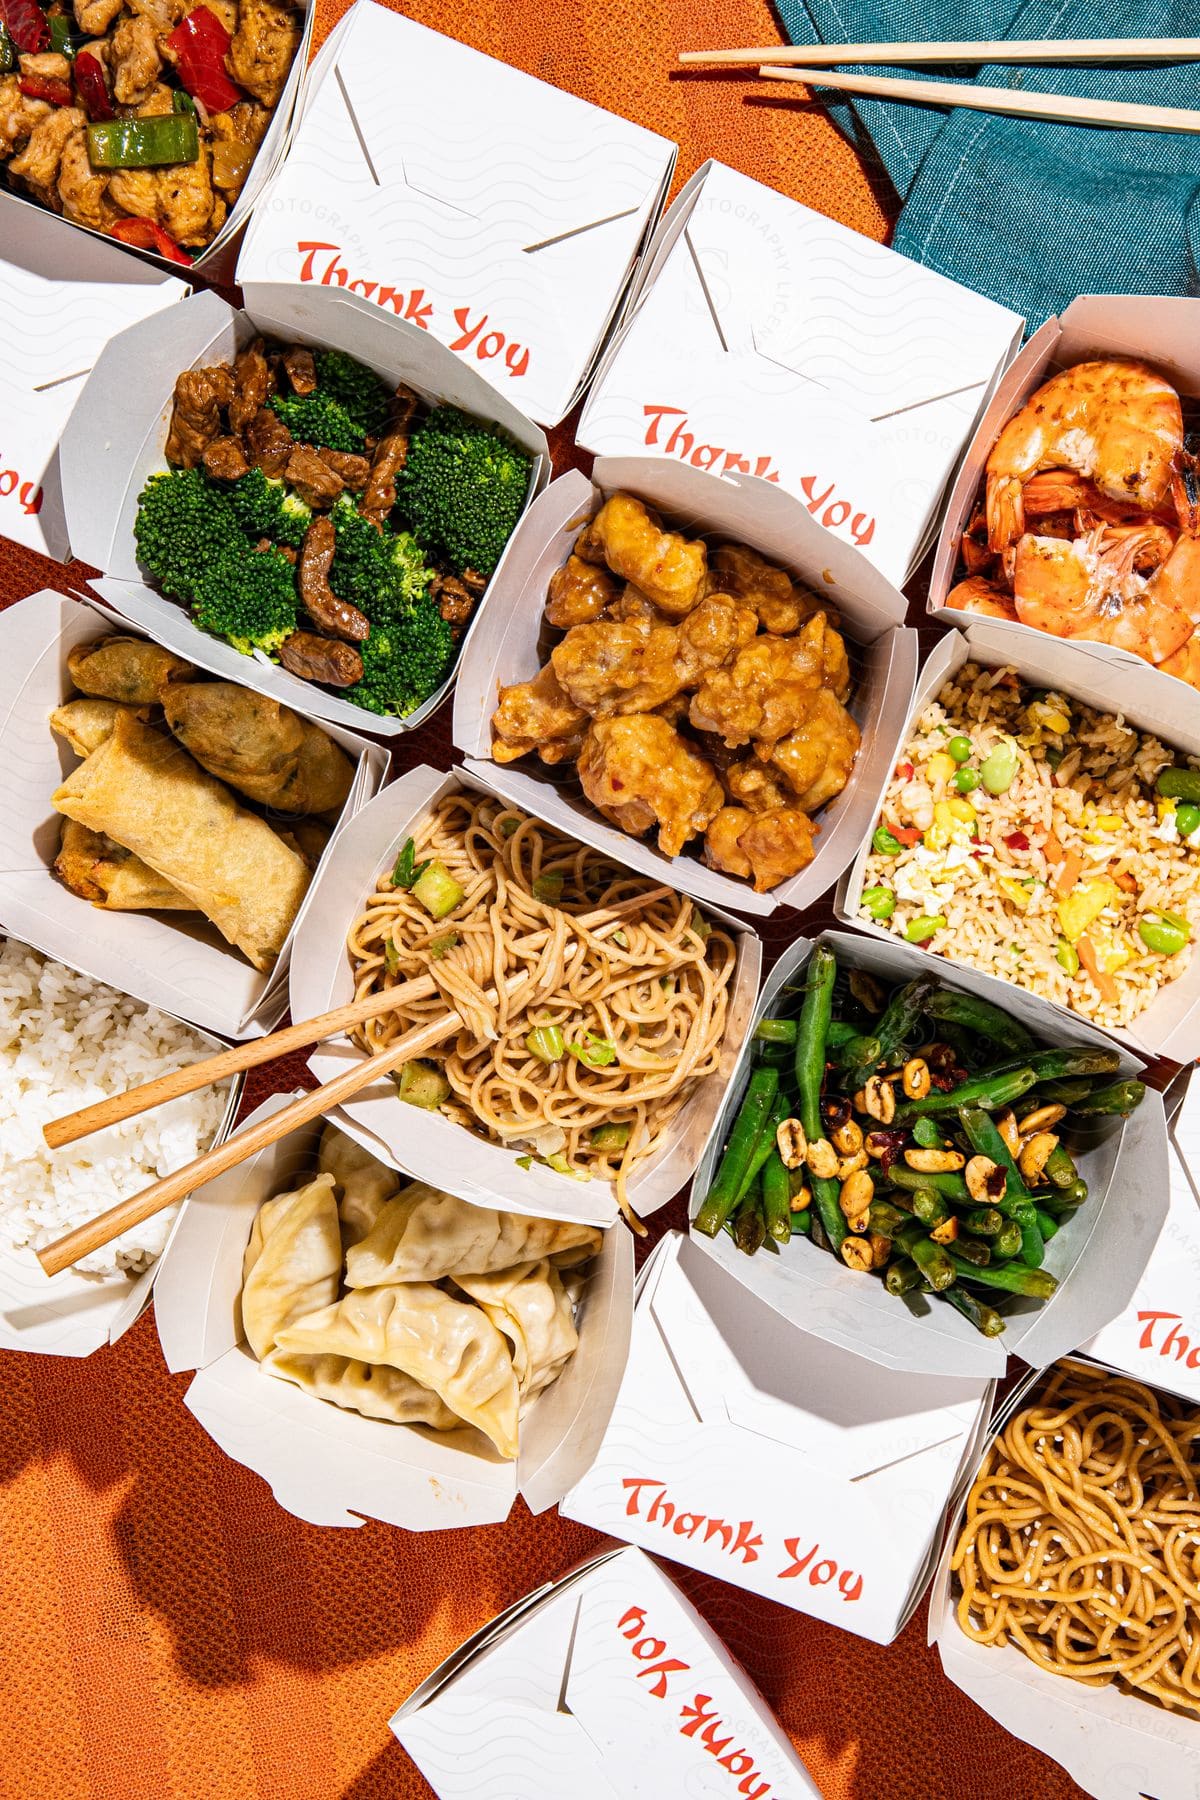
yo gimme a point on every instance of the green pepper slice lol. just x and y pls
(143, 143)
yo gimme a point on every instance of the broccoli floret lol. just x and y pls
(183, 524)
(317, 419)
(380, 572)
(265, 508)
(405, 659)
(462, 489)
(354, 387)
(248, 597)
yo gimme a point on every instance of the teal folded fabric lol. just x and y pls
(1028, 212)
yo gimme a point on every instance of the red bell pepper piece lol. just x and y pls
(199, 45)
(26, 24)
(908, 835)
(1016, 840)
(93, 91)
(144, 234)
(45, 87)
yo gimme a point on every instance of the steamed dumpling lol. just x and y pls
(424, 1234)
(293, 1261)
(372, 1389)
(530, 1306)
(443, 1344)
(366, 1183)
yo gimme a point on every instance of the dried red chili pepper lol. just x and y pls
(198, 46)
(91, 86)
(45, 87)
(26, 24)
(144, 234)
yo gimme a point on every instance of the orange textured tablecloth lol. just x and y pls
(166, 1631)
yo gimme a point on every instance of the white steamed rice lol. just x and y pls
(65, 1042)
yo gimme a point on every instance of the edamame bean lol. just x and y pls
(999, 768)
(959, 748)
(1166, 935)
(922, 927)
(1067, 957)
(884, 843)
(879, 902)
(966, 780)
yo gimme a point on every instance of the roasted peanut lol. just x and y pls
(822, 1159)
(801, 1200)
(856, 1253)
(946, 1232)
(1006, 1125)
(881, 1248)
(915, 1078)
(1032, 1160)
(934, 1162)
(879, 1100)
(848, 1164)
(1041, 1120)
(791, 1143)
(847, 1140)
(859, 1101)
(980, 1176)
(879, 1143)
(857, 1192)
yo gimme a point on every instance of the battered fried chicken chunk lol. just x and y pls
(639, 773)
(635, 667)
(668, 568)
(767, 846)
(781, 606)
(579, 592)
(537, 715)
(767, 690)
(816, 759)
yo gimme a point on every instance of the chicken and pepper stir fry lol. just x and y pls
(141, 118)
(696, 693)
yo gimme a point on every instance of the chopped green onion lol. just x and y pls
(524, 1162)
(436, 889)
(548, 888)
(619, 938)
(610, 1137)
(561, 1166)
(508, 827)
(423, 1085)
(597, 1052)
(546, 1043)
(442, 946)
(699, 923)
(408, 870)
(391, 957)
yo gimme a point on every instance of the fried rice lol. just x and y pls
(1012, 883)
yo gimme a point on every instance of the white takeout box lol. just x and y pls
(209, 260)
(176, 961)
(766, 339)
(334, 1467)
(425, 1144)
(72, 1314)
(1157, 1337)
(1116, 1745)
(1097, 1255)
(117, 435)
(494, 211)
(1170, 1025)
(776, 1460)
(605, 1685)
(506, 649)
(1152, 328)
(60, 302)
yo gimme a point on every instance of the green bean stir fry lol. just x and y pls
(919, 1135)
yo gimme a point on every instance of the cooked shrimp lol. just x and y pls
(978, 595)
(1090, 588)
(1185, 662)
(1119, 424)
(1057, 491)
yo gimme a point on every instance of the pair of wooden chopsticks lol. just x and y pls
(814, 61)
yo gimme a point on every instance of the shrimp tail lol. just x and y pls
(1005, 504)
(1185, 485)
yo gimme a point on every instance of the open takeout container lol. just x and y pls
(72, 1314)
(514, 243)
(827, 1494)
(61, 300)
(1170, 1025)
(211, 260)
(765, 338)
(1157, 329)
(1098, 1254)
(334, 1467)
(117, 435)
(178, 962)
(604, 1685)
(424, 1144)
(1116, 1745)
(505, 649)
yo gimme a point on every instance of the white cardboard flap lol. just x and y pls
(562, 1699)
(765, 338)
(760, 1509)
(174, 961)
(116, 439)
(511, 238)
(1115, 1745)
(505, 649)
(1097, 1256)
(61, 300)
(1170, 1025)
(426, 1144)
(1163, 330)
(334, 1467)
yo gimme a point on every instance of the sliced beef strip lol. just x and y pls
(335, 616)
(300, 369)
(225, 460)
(269, 443)
(323, 659)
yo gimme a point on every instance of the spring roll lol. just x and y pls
(111, 877)
(128, 669)
(85, 723)
(261, 748)
(150, 796)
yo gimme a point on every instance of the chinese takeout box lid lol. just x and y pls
(497, 212)
(827, 1494)
(335, 1467)
(62, 298)
(607, 1685)
(767, 339)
